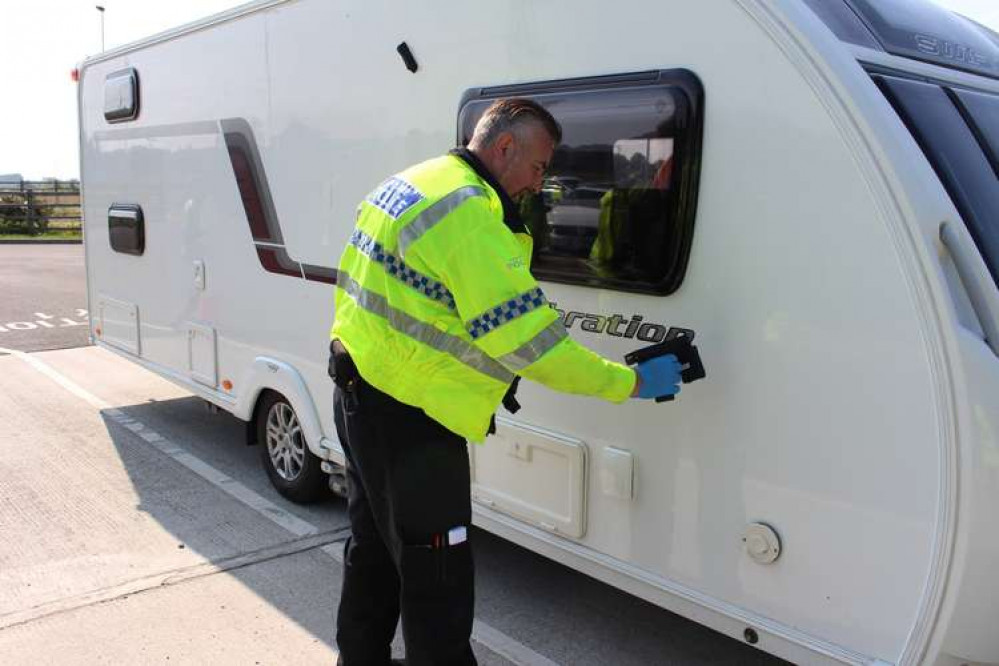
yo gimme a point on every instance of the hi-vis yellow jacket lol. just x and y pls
(436, 304)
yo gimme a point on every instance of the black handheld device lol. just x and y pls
(679, 342)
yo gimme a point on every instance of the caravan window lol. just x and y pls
(983, 115)
(957, 131)
(121, 96)
(617, 206)
(127, 229)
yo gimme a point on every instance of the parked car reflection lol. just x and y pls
(573, 220)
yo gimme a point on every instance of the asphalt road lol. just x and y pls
(139, 528)
(42, 297)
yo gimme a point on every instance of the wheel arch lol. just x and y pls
(269, 375)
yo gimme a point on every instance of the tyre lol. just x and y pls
(294, 470)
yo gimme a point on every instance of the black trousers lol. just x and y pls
(410, 509)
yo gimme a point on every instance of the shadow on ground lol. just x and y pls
(567, 616)
(217, 527)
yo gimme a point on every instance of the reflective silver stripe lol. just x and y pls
(411, 327)
(434, 214)
(535, 348)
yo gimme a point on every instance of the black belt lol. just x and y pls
(345, 375)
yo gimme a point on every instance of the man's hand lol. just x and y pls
(657, 377)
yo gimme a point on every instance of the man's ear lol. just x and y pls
(504, 143)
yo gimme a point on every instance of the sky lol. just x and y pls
(42, 40)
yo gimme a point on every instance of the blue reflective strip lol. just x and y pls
(395, 267)
(506, 312)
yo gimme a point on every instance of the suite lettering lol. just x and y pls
(950, 50)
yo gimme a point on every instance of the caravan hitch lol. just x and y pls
(679, 342)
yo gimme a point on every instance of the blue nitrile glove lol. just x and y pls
(660, 377)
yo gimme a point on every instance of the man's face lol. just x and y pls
(525, 157)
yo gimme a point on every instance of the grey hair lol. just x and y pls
(512, 115)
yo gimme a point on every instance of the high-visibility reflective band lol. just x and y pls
(395, 267)
(535, 348)
(421, 332)
(434, 214)
(506, 312)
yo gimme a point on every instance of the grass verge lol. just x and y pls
(49, 235)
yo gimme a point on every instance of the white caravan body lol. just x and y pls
(843, 298)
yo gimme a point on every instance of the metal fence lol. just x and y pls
(39, 207)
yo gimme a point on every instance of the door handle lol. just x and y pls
(976, 279)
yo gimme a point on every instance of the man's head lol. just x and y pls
(515, 139)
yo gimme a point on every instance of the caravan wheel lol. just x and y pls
(294, 470)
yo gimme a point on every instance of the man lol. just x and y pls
(436, 314)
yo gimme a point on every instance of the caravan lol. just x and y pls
(810, 185)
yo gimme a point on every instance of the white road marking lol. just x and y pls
(491, 638)
(335, 550)
(234, 488)
(58, 378)
(44, 321)
(230, 486)
(507, 647)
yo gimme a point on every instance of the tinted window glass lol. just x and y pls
(617, 205)
(126, 229)
(923, 30)
(982, 112)
(121, 96)
(956, 155)
(841, 19)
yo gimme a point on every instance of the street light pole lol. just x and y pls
(101, 10)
